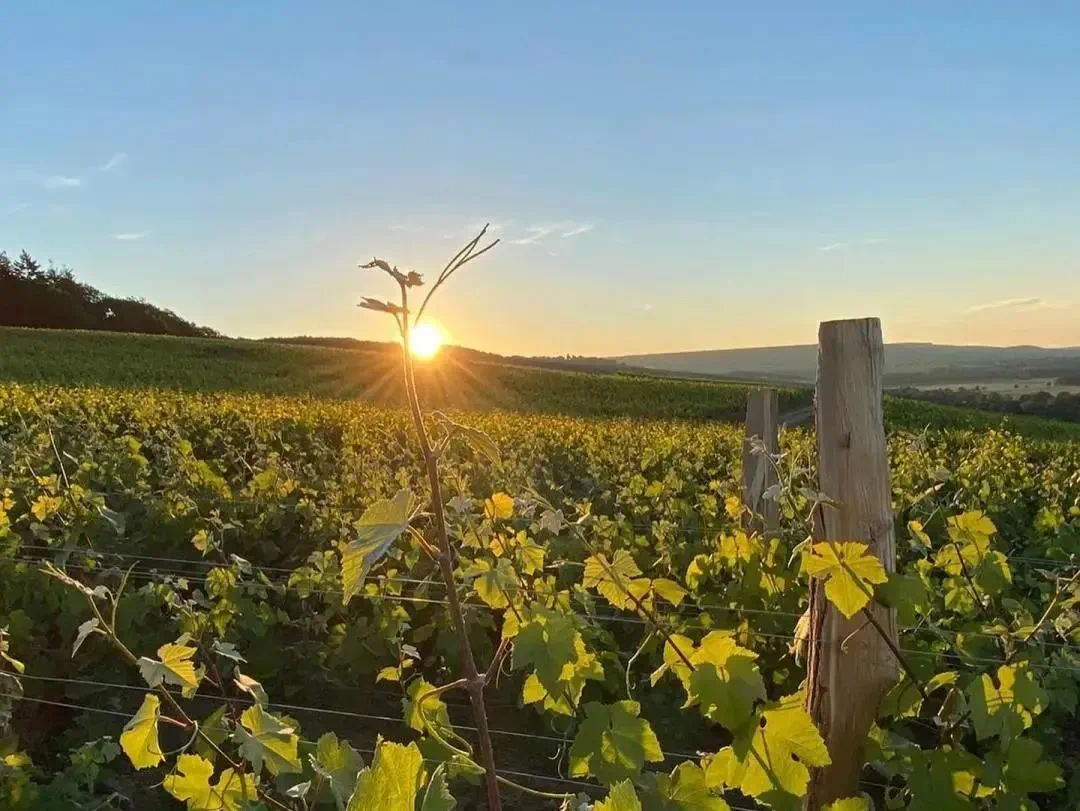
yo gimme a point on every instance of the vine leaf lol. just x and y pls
(175, 667)
(494, 584)
(615, 580)
(549, 643)
(214, 729)
(1024, 771)
(265, 738)
(338, 764)
(769, 757)
(376, 530)
(622, 797)
(500, 505)
(433, 712)
(87, 628)
(477, 439)
(685, 789)
(946, 780)
(392, 781)
(251, 687)
(612, 743)
(191, 784)
(669, 590)
(849, 572)
(437, 796)
(725, 682)
(1007, 707)
(139, 740)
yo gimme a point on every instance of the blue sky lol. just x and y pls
(665, 176)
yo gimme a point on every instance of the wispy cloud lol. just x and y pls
(581, 229)
(116, 160)
(843, 246)
(60, 181)
(535, 234)
(132, 236)
(1014, 304)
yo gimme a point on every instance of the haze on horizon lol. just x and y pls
(661, 181)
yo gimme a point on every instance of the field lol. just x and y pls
(233, 512)
(218, 365)
(1007, 388)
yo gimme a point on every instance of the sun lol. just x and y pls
(425, 341)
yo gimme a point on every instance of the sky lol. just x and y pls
(664, 176)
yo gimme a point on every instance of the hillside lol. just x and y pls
(905, 363)
(372, 374)
(53, 298)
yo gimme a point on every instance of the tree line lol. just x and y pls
(35, 296)
(1063, 405)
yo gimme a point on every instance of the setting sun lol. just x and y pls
(425, 341)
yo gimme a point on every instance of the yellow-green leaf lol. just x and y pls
(500, 505)
(191, 785)
(175, 667)
(614, 579)
(849, 572)
(393, 780)
(380, 525)
(612, 743)
(265, 738)
(669, 590)
(139, 740)
(850, 804)
(622, 797)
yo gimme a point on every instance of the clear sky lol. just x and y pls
(665, 176)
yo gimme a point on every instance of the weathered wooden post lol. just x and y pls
(758, 474)
(844, 688)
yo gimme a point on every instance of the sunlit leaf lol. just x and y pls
(612, 743)
(849, 572)
(174, 666)
(265, 739)
(500, 505)
(393, 780)
(376, 530)
(139, 740)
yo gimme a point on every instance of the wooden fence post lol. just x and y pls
(758, 474)
(844, 688)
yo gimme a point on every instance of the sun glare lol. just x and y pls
(425, 341)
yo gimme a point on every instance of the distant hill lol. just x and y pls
(33, 296)
(906, 364)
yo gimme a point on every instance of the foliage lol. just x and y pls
(612, 553)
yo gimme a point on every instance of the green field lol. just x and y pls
(223, 519)
(74, 358)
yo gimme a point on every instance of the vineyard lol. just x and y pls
(225, 601)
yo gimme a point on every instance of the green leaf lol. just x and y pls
(338, 764)
(495, 585)
(477, 439)
(433, 712)
(139, 740)
(726, 682)
(685, 789)
(393, 780)
(904, 592)
(549, 643)
(849, 572)
(376, 530)
(265, 738)
(613, 579)
(769, 758)
(251, 687)
(191, 784)
(1007, 707)
(1026, 771)
(437, 796)
(612, 743)
(944, 780)
(622, 797)
(175, 667)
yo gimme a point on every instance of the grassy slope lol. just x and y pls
(73, 358)
(217, 365)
